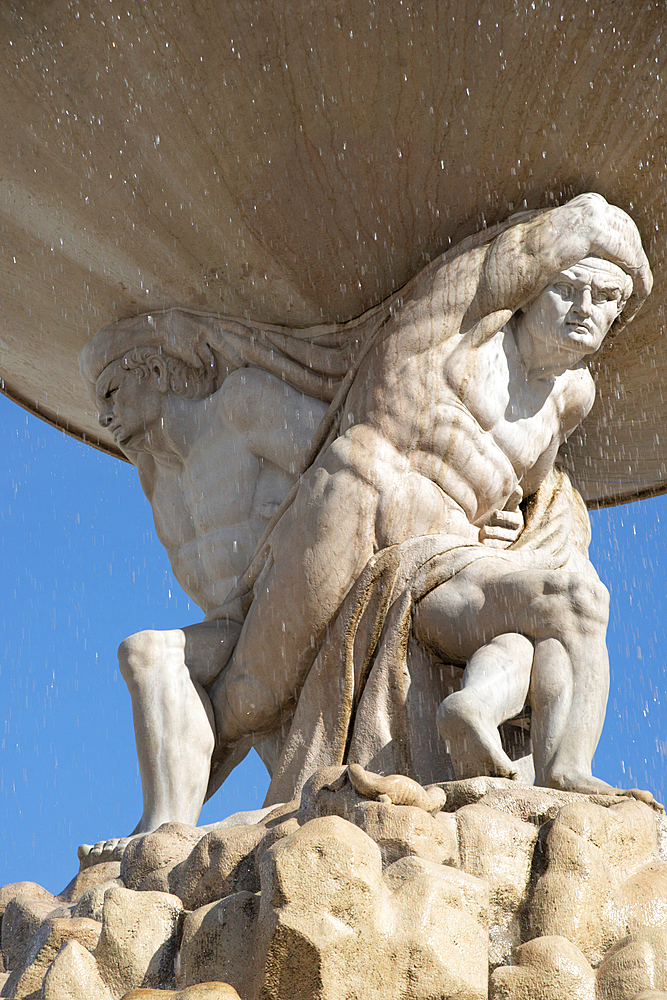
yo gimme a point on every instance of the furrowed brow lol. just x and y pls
(102, 386)
(608, 288)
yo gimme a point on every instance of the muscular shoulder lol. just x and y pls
(575, 397)
(275, 420)
(251, 397)
(238, 397)
(147, 469)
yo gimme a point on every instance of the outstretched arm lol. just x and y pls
(523, 259)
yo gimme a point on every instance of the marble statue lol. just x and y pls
(420, 524)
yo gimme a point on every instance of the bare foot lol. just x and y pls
(103, 850)
(642, 795)
(473, 739)
(587, 784)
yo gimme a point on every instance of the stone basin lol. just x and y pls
(298, 162)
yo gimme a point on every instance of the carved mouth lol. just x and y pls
(581, 328)
(118, 435)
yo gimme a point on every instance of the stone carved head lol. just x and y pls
(131, 392)
(571, 317)
(183, 379)
(180, 338)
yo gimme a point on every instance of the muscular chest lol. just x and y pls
(215, 488)
(523, 416)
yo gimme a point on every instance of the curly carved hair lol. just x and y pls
(183, 379)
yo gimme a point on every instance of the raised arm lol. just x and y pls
(523, 259)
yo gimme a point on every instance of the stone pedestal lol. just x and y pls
(509, 892)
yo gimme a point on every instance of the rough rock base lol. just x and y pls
(508, 892)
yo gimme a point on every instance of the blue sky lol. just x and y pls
(82, 568)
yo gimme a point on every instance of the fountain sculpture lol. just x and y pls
(357, 273)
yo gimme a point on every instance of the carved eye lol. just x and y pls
(599, 297)
(565, 290)
(110, 391)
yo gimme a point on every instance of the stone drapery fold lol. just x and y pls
(372, 693)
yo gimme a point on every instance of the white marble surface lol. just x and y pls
(459, 393)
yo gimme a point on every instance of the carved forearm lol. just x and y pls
(525, 258)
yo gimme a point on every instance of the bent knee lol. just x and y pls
(460, 706)
(142, 652)
(581, 599)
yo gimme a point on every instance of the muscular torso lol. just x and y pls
(211, 510)
(211, 514)
(445, 432)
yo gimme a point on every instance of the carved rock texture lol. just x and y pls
(152, 857)
(138, 940)
(26, 978)
(215, 942)
(361, 934)
(74, 975)
(202, 991)
(22, 918)
(90, 878)
(515, 893)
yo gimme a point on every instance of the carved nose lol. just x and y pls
(104, 418)
(583, 303)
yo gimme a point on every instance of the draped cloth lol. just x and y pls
(372, 693)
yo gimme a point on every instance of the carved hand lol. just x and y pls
(502, 528)
(614, 236)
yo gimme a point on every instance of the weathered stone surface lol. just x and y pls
(455, 889)
(530, 803)
(13, 943)
(626, 832)
(300, 932)
(359, 934)
(91, 904)
(277, 832)
(217, 941)
(197, 868)
(583, 895)
(202, 991)
(74, 975)
(23, 917)
(14, 889)
(42, 949)
(327, 792)
(576, 912)
(498, 848)
(552, 968)
(137, 947)
(401, 831)
(642, 899)
(635, 963)
(548, 968)
(139, 939)
(158, 852)
(88, 878)
(221, 863)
